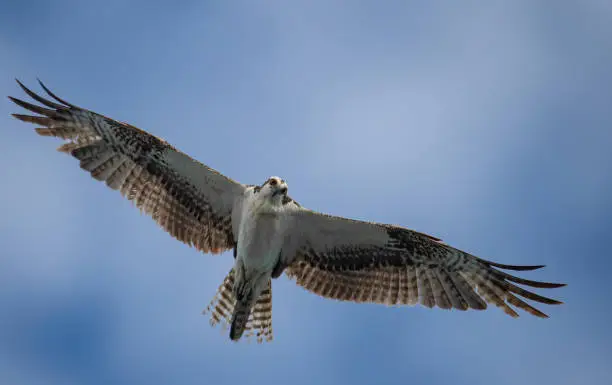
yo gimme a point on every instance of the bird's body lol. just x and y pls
(271, 234)
(260, 239)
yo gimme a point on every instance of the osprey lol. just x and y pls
(271, 234)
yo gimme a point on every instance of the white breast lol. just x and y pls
(259, 236)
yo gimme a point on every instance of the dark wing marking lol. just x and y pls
(188, 199)
(368, 262)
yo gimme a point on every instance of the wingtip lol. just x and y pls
(48, 91)
(44, 87)
(516, 267)
(23, 87)
(556, 285)
(510, 267)
(527, 268)
(42, 84)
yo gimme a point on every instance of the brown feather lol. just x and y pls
(259, 322)
(145, 169)
(385, 264)
(40, 99)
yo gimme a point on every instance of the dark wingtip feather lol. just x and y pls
(20, 84)
(541, 285)
(34, 108)
(48, 91)
(528, 282)
(38, 98)
(510, 267)
(527, 294)
(516, 267)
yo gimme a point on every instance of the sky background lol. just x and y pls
(487, 124)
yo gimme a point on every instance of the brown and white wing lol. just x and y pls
(188, 199)
(359, 261)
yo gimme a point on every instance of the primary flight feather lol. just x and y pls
(270, 233)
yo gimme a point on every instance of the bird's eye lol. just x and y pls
(273, 182)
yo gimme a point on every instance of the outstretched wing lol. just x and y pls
(188, 199)
(359, 261)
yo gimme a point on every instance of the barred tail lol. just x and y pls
(259, 321)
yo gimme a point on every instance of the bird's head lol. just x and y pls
(274, 189)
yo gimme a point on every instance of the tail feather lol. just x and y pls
(240, 318)
(259, 321)
(221, 306)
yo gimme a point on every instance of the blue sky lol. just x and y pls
(487, 124)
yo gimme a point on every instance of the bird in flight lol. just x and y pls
(271, 234)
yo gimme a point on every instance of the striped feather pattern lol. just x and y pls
(189, 200)
(331, 256)
(412, 268)
(259, 323)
